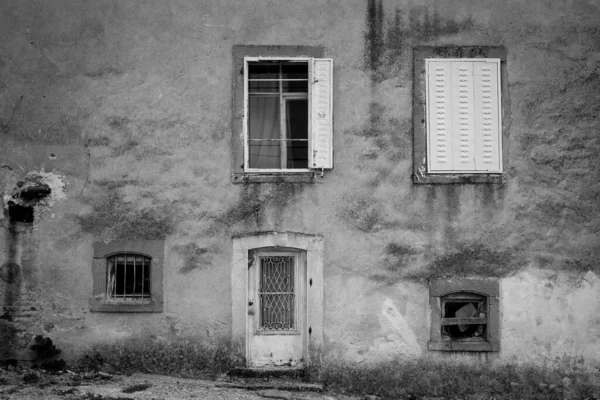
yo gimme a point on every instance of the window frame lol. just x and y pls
(101, 301)
(421, 171)
(238, 156)
(283, 97)
(443, 290)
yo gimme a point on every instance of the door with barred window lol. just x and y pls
(276, 308)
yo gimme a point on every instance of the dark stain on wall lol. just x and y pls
(106, 71)
(374, 37)
(472, 260)
(112, 218)
(361, 210)
(389, 38)
(195, 257)
(255, 198)
(397, 256)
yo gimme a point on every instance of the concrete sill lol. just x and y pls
(463, 346)
(96, 306)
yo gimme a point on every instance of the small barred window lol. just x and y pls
(128, 276)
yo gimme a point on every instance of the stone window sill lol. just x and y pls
(297, 177)
(104, 306)
(425, 178)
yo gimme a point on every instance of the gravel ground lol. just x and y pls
(35, 385)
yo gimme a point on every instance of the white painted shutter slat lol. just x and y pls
(487, 124)
(463, 119)
(321, 140)
(439, 109)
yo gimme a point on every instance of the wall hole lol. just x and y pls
(19, 213)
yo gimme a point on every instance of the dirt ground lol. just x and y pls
(37, 385)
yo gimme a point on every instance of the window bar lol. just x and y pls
(135, 292)
(143, 275)
(124, 276)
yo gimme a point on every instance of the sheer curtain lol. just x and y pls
(264, 115)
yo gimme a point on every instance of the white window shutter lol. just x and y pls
(439, 116)
(487, 109)
(321, 140)
(463, 117)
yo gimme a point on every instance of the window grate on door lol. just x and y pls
(128, 276)
(276, 293)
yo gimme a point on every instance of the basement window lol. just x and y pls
(464, 315)
(128, 276)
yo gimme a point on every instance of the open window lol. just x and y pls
(288, 124)
(284, 98)
(464, 315)
(127, 276)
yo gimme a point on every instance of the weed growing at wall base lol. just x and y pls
(424, 378)
(185, 358)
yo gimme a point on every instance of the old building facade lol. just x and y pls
(372, 178)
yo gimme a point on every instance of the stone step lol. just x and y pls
(293, 386)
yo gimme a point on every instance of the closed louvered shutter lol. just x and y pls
(463, 116)
(487, 108)
(321, 141)
(439, 106)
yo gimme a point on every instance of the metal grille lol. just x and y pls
(276, 293)
(128, 276)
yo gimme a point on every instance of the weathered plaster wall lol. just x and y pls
(131, 103)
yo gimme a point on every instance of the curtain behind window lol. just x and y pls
(264, 123)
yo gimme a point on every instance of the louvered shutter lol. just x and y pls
(439, 107)
(463, 141)
(487, 109)
(321, 140)
(463, 116)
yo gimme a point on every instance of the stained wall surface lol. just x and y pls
(129, 105)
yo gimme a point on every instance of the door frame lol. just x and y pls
(312, 245)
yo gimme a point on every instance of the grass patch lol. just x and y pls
(418, 379)
(183, 358)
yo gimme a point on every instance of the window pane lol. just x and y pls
(263, 70)
(296, 119)
(264, 123)
(263, 86)
(295, 70)
(265, 155)
(120, 279)
(295, 86)
(297, 128)
(297, 155)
